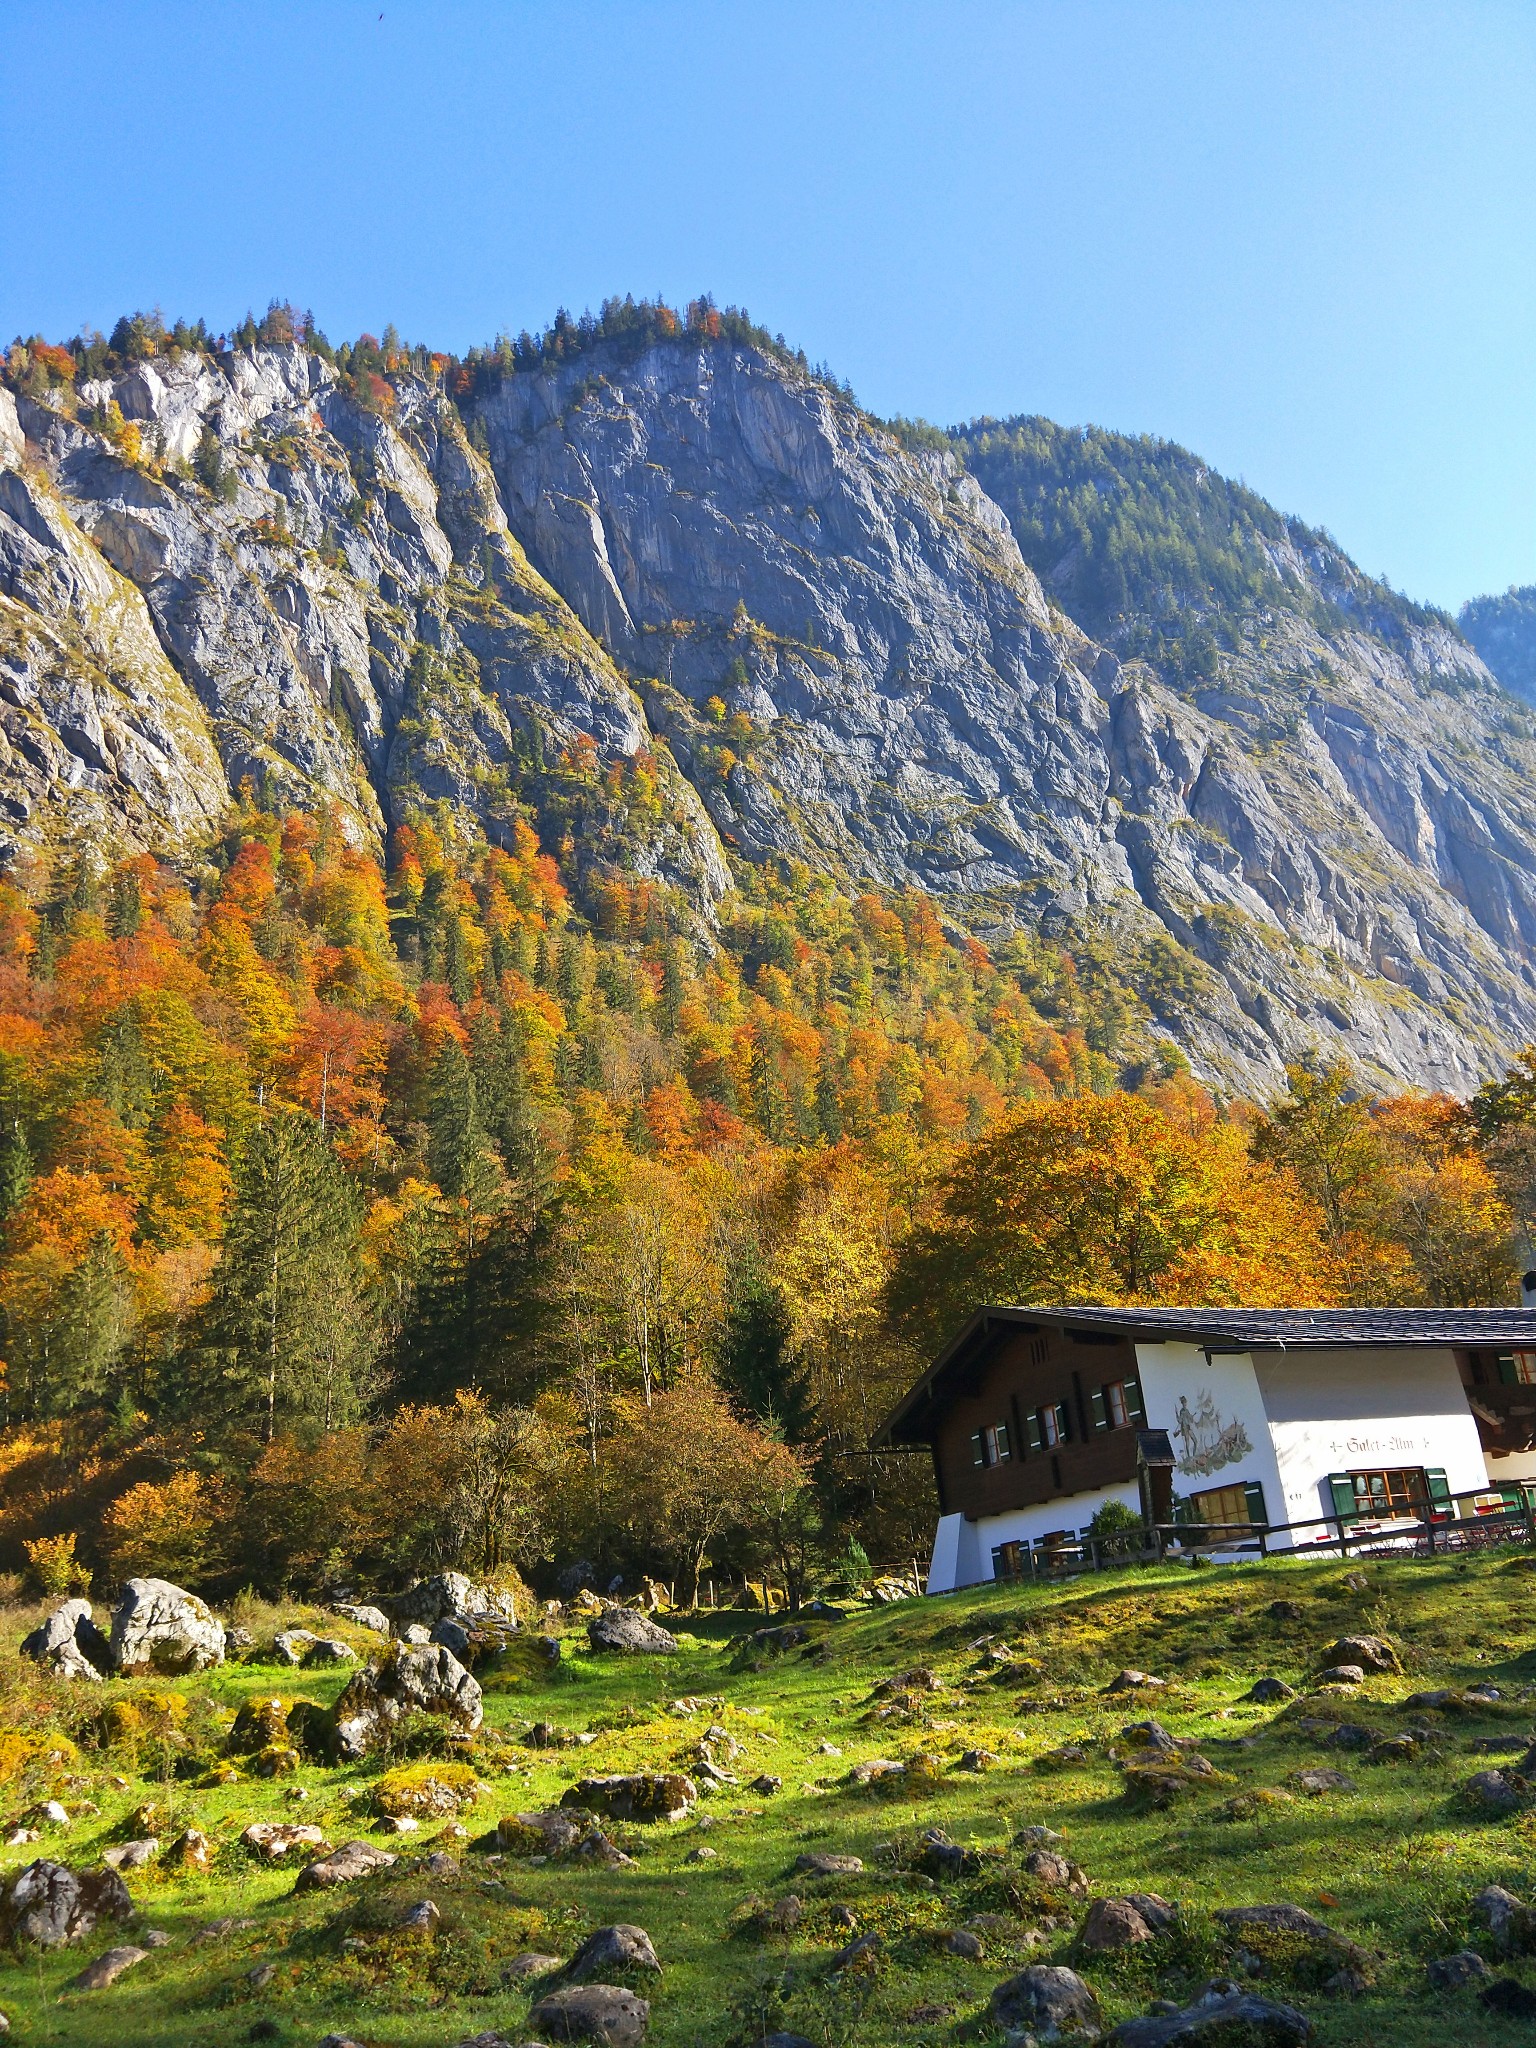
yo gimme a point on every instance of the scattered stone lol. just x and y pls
(1350, 1735)
(824, 1863)
(20, 1838)
(623, 1630)
(940, 1857)
(862, 1949)
(263, 1975)
(440, 1865)
(352, 1860)
(56, 1814)
(1356, 1582)
(161, 1628)
(1046, 2000)
(399, 1824)
(130, 1855)
(220, 1930)
(1314, 1784)
(1509, 1920)
(52, 1905)
(363, 1617)
(783, 1916)
(70, 1643)
(703, 1854)
(1342, 1674)
(1047, 1868)
(636, 1795)
(411, 1678)
(191, 1850)
(766, 1785)
(1226, 2017)
(155, 1937)
(449, 1595)
(1268, 1690)
(593, 2012)
(273, 1839)
(618, 1948)
(475, 1638)
(1134, 1681)
(1278, 1919)
(1037, 1838)
(529, 1964)
(1149, 1735)
(879, 1769)
(963, 1943)
(787, 1637)
(107, 1968)
(1494, 1791)
(976, 1760)
(292, 1645)
(1450, 1973)
(1287, 1610)
(1124, 1922)
(422, 1918)
(328, 1650)
(1372, 1653)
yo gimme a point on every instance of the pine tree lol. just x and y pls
(15, 1168)
(289, 1327)
(91, 1326)
(758, 1365)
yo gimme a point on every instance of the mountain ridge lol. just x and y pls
(675, 597)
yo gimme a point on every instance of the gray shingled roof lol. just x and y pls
(1224, 1329)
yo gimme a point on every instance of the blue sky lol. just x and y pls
(1298, 237)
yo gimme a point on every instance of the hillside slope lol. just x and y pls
(1503, 630)
(1301, 818)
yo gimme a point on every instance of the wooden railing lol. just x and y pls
(1437, 1529)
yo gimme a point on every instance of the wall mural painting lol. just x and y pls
(1207, 1442)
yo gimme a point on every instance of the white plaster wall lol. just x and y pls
(1505, 1471)
(1340, 1411)
(962, 1550)
(1175, 1374)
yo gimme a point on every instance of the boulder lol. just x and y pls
(631, 1634)
(635, 1795)
(328, 1650)
(1494, 1792)
(352, 1860)
(606, 2013)
(422, 1918)
(611, 1950)
(449, 1594)
(1267, 1690)
(161, 1628)
(1046, 1867)
(411, 1678)
(1371, 1653)
(1124, 1922)
(130, 1855)
(274, 1838)
(475, 1638)
(960, 1941)
(1342, 1674)
(1509, 1920)
(1226, 2017)
(70, 1643)
(191, 1850)
(821, 1863)
(107, 1969)
(1511, 1999)
(1277, 1919)
(1450, 1973)
(976, 1760)
(363, 1616)
(1131, 1680)
(293, 1645)
(1150, 1737)
(1315, 1784)
(942, 1858)
(52, 1905)
(529, 1964)
(1048, 2001)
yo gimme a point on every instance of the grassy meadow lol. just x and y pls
(1392, 1865)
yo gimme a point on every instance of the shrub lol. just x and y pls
(162, 1530)
(54, 1568)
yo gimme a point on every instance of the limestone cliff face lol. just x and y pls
(1328, 845)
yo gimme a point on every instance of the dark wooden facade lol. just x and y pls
(1504, 1410)
(1027, 1369)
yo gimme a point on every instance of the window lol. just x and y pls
(1117, 1405)
(1008, 1560)
(1377, 1496)
(1517, 1368)
(989, 1446)
(1240, 1507)
(1053, 1426)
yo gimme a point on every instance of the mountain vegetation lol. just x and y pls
(1503, 630)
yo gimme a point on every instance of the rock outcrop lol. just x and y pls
(159, 1627)
(411, 1678)
(1326, 842)
(70, 1643)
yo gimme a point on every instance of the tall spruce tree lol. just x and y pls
(290, 1335)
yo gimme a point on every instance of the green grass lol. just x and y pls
(1400, 1859)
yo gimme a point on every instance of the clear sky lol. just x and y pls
(1299, 237)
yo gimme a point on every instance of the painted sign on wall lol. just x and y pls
(1207, 1439)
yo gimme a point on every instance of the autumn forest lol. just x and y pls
(360, 1221)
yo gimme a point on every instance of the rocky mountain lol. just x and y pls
(681, 600)
(1503, 630)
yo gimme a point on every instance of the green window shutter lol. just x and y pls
(1508, 1376)
(1341, 1489)
(1133, 1403)
(1255, 1497)
(1439, 1487)
(1099, 1408)
(1514, 1499)
(1002, 1441)
(1063, 1423)
(1036, 1433)
(978, 1450)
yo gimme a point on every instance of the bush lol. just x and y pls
(1118, 1530)
(54, 1568)
(162, 1531)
